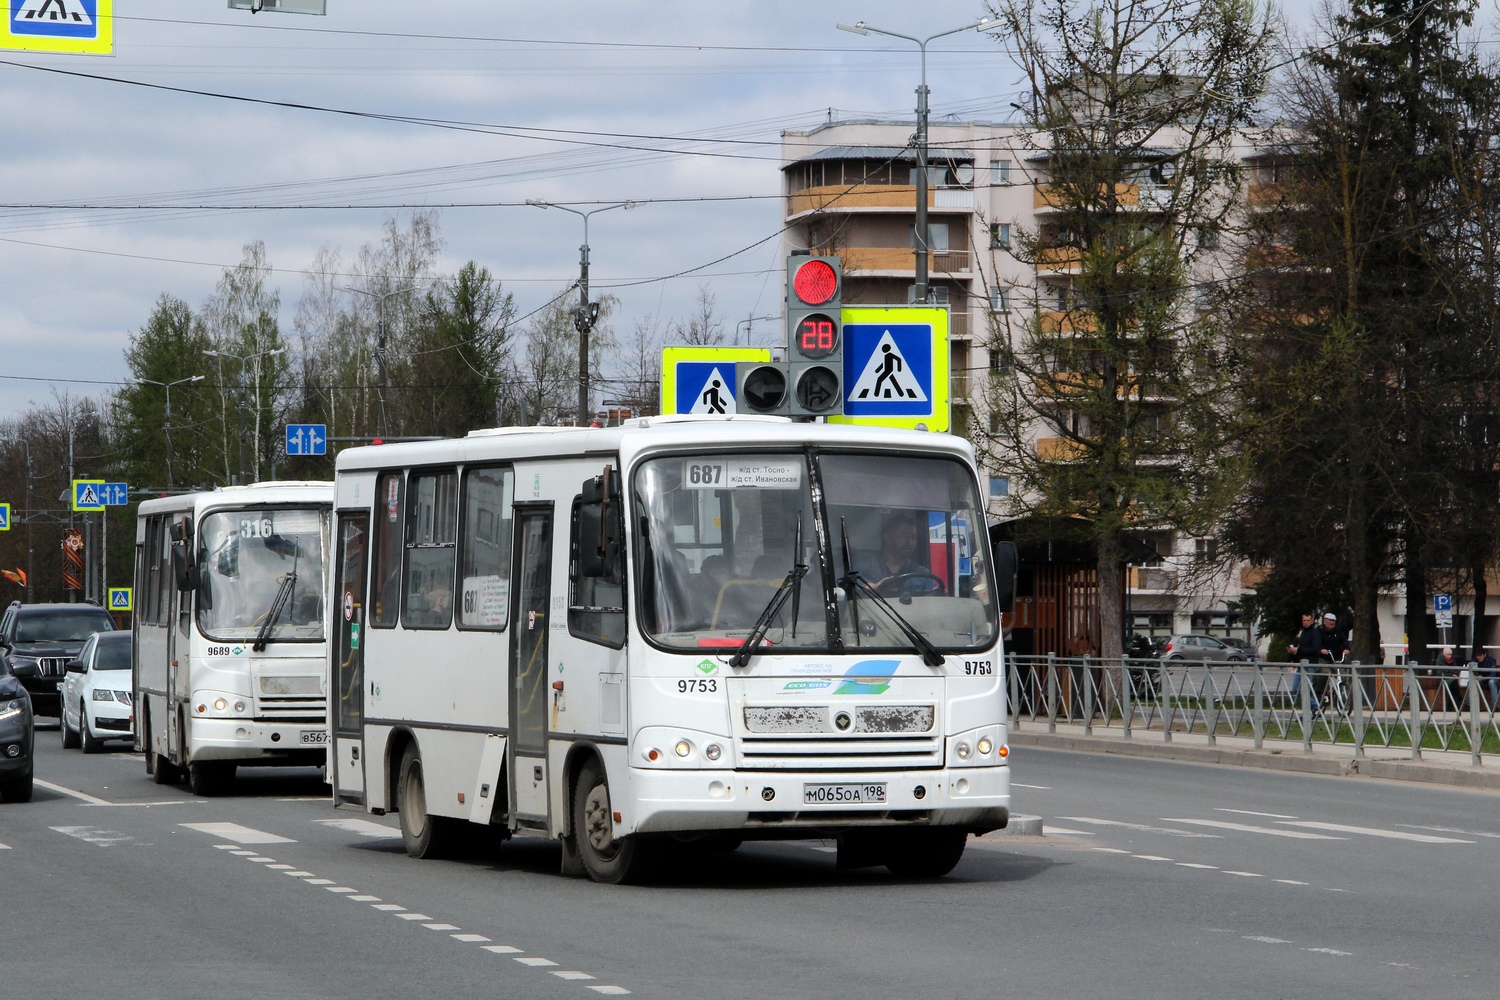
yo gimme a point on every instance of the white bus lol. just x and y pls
(230, 660)
(652, 635)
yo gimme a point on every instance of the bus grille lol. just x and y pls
(817, 752)
(291, 698)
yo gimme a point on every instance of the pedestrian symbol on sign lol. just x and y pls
(711, 400)
(703, 389)
(895, 369)
(119, 599)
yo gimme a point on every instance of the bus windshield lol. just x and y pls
(721, 531)
(245, 559)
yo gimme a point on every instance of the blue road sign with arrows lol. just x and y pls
(306, 439)
(114, 494)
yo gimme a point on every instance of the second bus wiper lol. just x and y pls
(853, 583)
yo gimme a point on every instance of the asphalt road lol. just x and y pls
(1177, 881)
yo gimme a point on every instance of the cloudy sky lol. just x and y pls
(670, 99)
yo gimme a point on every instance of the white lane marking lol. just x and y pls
(240, 834)
(469, 938)
(572, 975)
(1040, 788)
(502, 949)
(413, 916)
(1265, 940)
(441, 927)
(318, 881)
(159, 802)
(280, 868)
(339, 888)
(4, 847)
(263, 861)
(533, 961)
(1447, 829)
(1110, 850)
(365, 899)
(1252, 812)
(1290, 881)
(94, 835)
(1370, 831)
(82, 796)
(363, 827)
(1191, 864)
(1330, 951)
(242, 853)
(304, 798)
(1150, 857)
(227, 847)
(1243, 874)
(299, 874)
(1137, 826)
(1220, 824)
(1066, 832)
(614, 991)
(388, 907)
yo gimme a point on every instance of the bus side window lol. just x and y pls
(484, 601)
(431, 536)
(385, 583)
(596, 567)
(166, 588)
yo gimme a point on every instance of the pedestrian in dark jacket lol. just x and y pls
(1307, 647)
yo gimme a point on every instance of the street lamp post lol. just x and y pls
(242, 359)
(380, 297)
(30, 548)
(587, 314)
(168, 387)
(920, 292)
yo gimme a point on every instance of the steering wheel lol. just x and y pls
(895, 586)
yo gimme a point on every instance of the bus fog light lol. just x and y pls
(683, 748)
(920, 792)
(220, 704)
(716, 789)
(239, 707)
(768, 793)
(652, 754)
(984, 746)
(962, 787)
(242, 733)
(713, 751)
(964, 751)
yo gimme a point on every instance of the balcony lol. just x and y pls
(1059, 449)
(901, 261)
(1150, 578)
(1059, 259)
(1128, 195)
(893, 198)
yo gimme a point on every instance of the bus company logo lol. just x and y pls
(868, 677)
(707, 666)
(806, 685)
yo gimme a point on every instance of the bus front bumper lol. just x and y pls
(258, 741)
(763, 802)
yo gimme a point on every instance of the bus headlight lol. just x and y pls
(713, 751)
(963, 750)
(683, 748)
(220, 704)
(984, 746)
(679, 749)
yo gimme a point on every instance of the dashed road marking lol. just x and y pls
(1110, 850)
(280, 868)
(318, 881)
(413, 916)
(1228, 871)
(4, 847)
(1220, 824)
(441, 927)
(388, 907)
(1150, 857)
(1138, 826)
(1330, 951)
(262, 861)
(227, 847)
(1449, 829)
(365, 899)
(532, 960)
(502, 949)
(614, 991)
(1265, 940)
(1370, 831)
(572, 975)
(1252, 812)
(237, 833)
(1064, 831)
(1193, 864)
(244, 853)
(469, 938)
(339, 888)
(1290, 881)
(298, 874)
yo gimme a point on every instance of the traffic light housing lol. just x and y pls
(810, 382)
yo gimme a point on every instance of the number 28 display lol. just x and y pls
(817, 336)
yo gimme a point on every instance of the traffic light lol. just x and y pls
(809, 383)
(814, 290)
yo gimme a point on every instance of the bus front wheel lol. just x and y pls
(207, 777)
(425, 836)
(605, 857)
(929, 853)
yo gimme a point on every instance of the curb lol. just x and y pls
(1398, 770)
(1020, 825)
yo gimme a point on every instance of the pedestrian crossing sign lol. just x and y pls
(88, 494)
(119, 599)
(896, 367)
(700, 380)
(77, 27)
(4, 517)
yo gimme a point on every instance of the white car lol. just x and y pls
(96, 703)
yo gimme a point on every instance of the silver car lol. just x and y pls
(1192, 646)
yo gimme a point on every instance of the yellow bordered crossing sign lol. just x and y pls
(701, 379)
(77, 27)
(896, 367)
(120, 599)
(4, 517)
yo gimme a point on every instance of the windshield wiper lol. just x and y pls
(853, 583)
(277, 606)
(789, 587)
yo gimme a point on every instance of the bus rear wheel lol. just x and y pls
(929, 853)
(605, 857)
(425, 836)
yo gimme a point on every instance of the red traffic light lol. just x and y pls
(815, 282)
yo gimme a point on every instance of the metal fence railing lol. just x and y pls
(1347, 705)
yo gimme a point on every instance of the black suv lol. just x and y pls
(38, 640)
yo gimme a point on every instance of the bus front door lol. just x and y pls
(531, 618)
(348, 680)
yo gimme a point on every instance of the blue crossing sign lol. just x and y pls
(87, 494)
(4, 517)
(896, 367)
(706, 388)
(306, 439)
(81, 27)
(119, 599)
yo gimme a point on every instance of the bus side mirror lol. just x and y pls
(598, 540)
(184, 568)
(1006, 561)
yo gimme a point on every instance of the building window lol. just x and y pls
(994, 423)
(999, 299)
(999, 486)
(999, 171)
(999, 360)
(1205, 549)
(1000, 236)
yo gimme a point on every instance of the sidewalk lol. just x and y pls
(1436, 766)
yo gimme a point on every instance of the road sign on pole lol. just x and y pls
(88, 494)
(114, 494)
(119, 599)
(306, 439)
(4, 517)
(700, 380)
(895, 367)
(76, 27)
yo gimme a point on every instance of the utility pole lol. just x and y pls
(587, 313)
(168, 387)
(380, 298)
(242, 359)
(920, 293)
